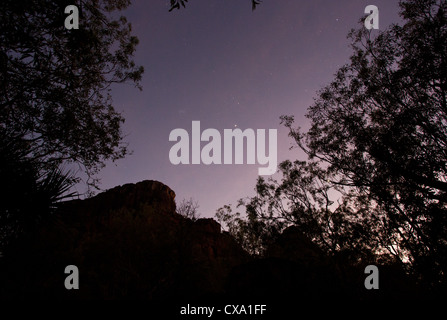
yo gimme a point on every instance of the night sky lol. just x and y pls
(222, 64)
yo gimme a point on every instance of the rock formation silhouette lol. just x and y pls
(129, 243)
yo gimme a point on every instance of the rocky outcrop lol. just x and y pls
(127, 242)
(293, 268)
(129, 196)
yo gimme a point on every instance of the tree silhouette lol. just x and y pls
(175, 4)
(55, 102)
(379, 136)
(381, 127)
(55, 83)
(29, 192)
(305, 198)
(188, 208)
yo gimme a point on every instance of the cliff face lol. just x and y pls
(127, 242)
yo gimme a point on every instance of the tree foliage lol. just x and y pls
(381, 127)
(305, 198)
(175, 4)
(378, 135)
(188, 208)
(29, 192)
(55, 83)
(55, 102)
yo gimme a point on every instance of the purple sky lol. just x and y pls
(222, 64)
